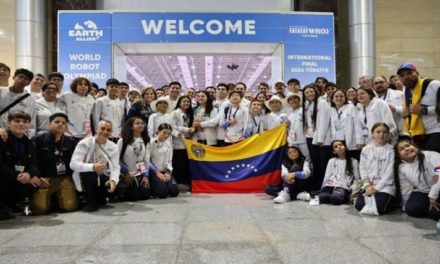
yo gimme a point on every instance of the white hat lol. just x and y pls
(160, 99)
(274, 98)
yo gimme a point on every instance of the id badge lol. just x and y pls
(365, 132)
(140, 166)
(87, 127)
(310, 131)
(61, 168)
(292, 135)
(19, 168)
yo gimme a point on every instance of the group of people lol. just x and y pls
(89, 146)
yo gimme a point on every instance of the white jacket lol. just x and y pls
(180, 122)
(79, 111)
(376, 168)
(295, 134)
(396, 99)
(134, 153)
(336, 176)
(322, 133)
(344, 124)
(208, 124)
(409, 172)
(160, 154)
(430, 120)
(45, 110)
(85, 155)
(377, 111)
(234, 133)
(155, 120)
(273, 120)
(111, 110)
(255, 124)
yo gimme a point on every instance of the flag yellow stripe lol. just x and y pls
(250, 147)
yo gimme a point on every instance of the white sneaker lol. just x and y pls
(303, 196)
(282, 197)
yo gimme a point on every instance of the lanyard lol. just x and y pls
(233, 115)
(255, 122)
(365, 116)
(339, 113)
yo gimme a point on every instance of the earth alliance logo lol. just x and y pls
(87, 31)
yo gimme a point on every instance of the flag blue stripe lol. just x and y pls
(228, 171)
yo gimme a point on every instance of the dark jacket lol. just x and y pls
(9, 158)
(47, 160)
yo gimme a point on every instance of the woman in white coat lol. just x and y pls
(205, 120)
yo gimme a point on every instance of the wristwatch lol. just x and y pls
(424, 110)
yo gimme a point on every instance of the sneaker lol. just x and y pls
(282, 197)
(304, 196)
(89, 207)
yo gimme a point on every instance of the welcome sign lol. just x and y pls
(86, 39)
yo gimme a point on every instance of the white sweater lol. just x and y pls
(336, 176)
(409, 172)
(376, 167)
(343, 124)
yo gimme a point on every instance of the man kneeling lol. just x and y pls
(54, 151)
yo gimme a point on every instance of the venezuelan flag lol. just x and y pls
(245, 167)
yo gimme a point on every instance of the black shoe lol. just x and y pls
(114, 199)
(184, 187)
(89, 207)
(5, 215)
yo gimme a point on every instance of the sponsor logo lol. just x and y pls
(309, 32)
(87, 31)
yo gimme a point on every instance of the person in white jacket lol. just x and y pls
(161, 107)
(160, 152)
(182, 121)
(421, 169)
(95, 165)
(295, 134)
(344, 123)
(79, 106)
(47, 105)
(205, 119)
(341, 173)
(233, 119)
(377, 171)
(370, 111)
(256, 122)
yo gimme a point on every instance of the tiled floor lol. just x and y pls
(219, 229)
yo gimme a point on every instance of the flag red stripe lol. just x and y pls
(249, 185)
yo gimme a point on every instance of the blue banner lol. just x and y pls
(85, 39)
(85, 47)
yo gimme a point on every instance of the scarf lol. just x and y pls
(413, 124)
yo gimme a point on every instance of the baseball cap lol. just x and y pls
(406, 67)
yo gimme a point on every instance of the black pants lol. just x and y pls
(333, 195)
(432, 142)
(384, 202)
(13, 192)
(95, 194)
(418, 206)
(136, 192)
(319, 157)
(356, 154)
(298, 187)
(181, 170)
(163, 189)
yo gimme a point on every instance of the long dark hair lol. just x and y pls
(209, 105)
(315, 105)
(398, 161)
(127, 132)
(264, 107)
(437, 105)
(348, 157)
(288, 163)
(189, 112)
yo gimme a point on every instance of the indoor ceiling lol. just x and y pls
(197, 65)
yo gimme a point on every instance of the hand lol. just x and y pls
(99, 167)
(161, 176)
(360, 146)
(36, 182)
(433, 204)
(145, 182)
(191, 130)
(320, 144)
(435, 178)
(290, 178)
(392, 108)
(111, 186)
(44, 184)
(3, 134)
(415, 109)
(127, 179)
(167, 176)
(24, 177)
(369, 191)
(405, 112)
(233, 121)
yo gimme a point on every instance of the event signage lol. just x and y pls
(86, 39)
